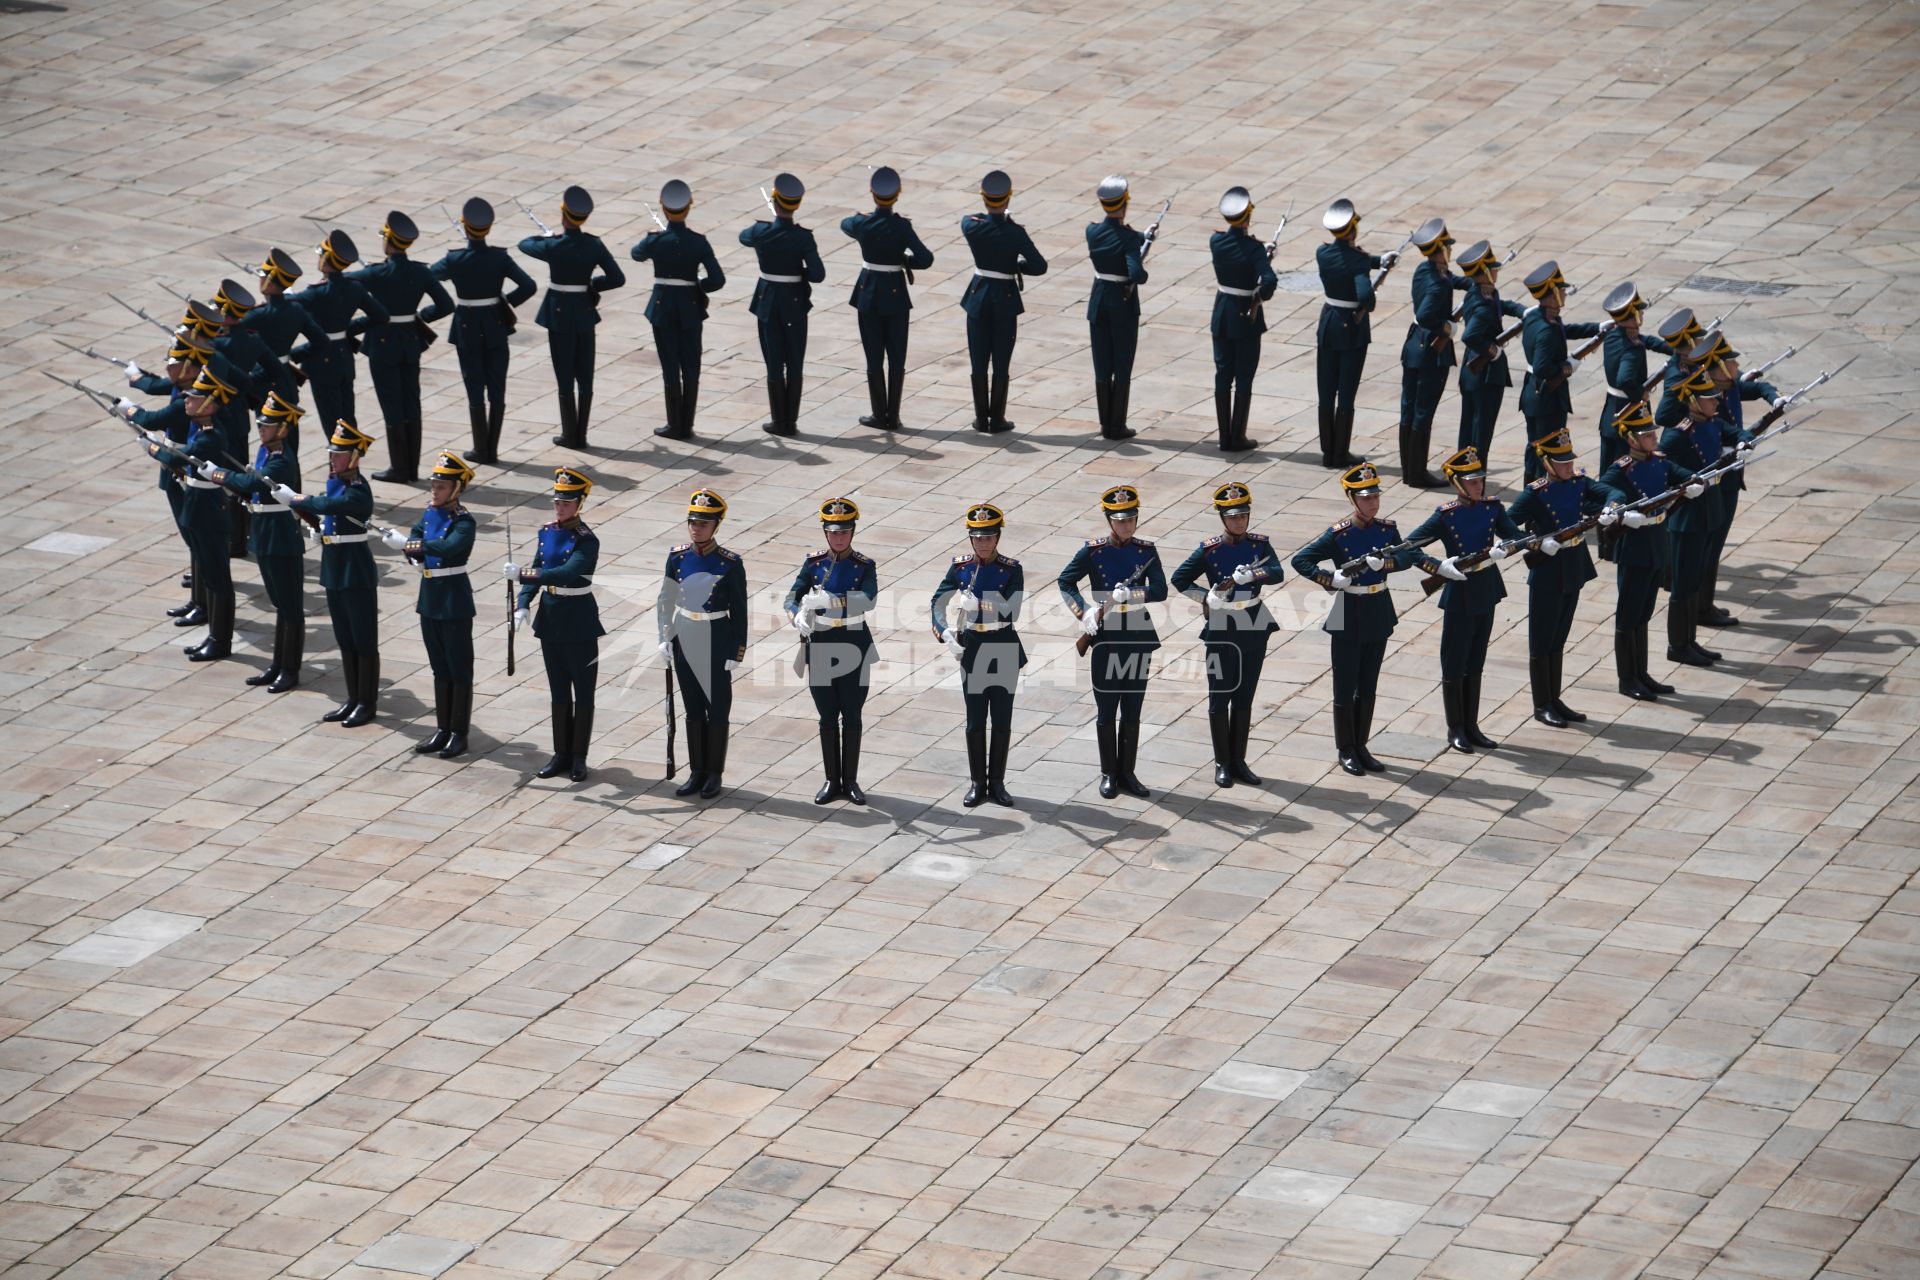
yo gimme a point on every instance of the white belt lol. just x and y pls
(987, 626)
(1101, 275)
(339, 337)
(568, 591)
(781, 279)
(1238, 293)
(409, 318)
(287, 359)
(985, 274)
(447, 571)
(874, 266)
(1711, 481)
(1484, 564)
(695, 615)
(1340, 303)
(1372, 588)
(566, 288)
(1574, 541)
(1124, 608)
(194, 482)
(1615, 391)
(676, 284)
(839, 622)
(336, 539)
(1238, 605)
(477, 302)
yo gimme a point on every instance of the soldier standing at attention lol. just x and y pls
(1003, 253)
(1624, 356)
(684, 273)
(1427, 353)
(347, 572)
(828, 604)
(1639, 545)
(393, 347)
(1113, 307)
(890, 252)
(280, 322)
(441, 543)
(1556, 571)
(1243, 279)
(702, 612)
(1483, 371)
(482, 319)
(274, 539)
(1544, 397)
(568, 623)
(1346, 327)
(1694, 443)
(985, 589)
(333, 303)
(571, 309)
(203, 507)
(790, 266)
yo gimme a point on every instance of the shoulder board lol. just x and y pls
(1343, 526)
(963, 559)
(582, 529)
(462, 511)
(551, 524)
(1455, 505)
(1142, 542)
(1258, 537)
(1008, 561)
(685, 546)
(860, 557)
(1214, 541)
(1541, 483)
(1388, 525)
(1660, 455)
(813, 556)
(1096, 542)
(729, 555)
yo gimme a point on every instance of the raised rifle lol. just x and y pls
(459, 227)
(1773, 415)
(545, 230)
(658, 221)
(1146, 242)
(512, 604)
(1083, 641)
(164, 328)
(125, 366)
(1380, 276)
(1754, 375)
(1713, 324)
(1511, 255)
(769, 199)
(1273, 247)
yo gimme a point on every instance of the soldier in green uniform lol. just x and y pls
(1723, 366)
(333, 303)
(828, 605)
(1694, 444)
(1003, 255)
(890, 252)
(1361, 551)
(280, 322)
(1624, 355)
(702, 612)
(1234, 626)
(684, 273)
(1556, 571)
(1346, 327)
(482, 320)
(1243, 279)
(1639, 545)
(275, 540)
(441, 543)
(974, 611)
(571, 310)
(169, 425)
(790, 266)
(1544, 398)
(1483, 363)
(568, 623)
(347, 572)
(393, 347)
(1113, 306)
(1427, 353)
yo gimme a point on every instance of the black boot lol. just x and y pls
(982, 413)
(997, 415)
(1117, 412)
(1239, 726)
(292, 650)
(1452, 699)
(1708, 613)
(349, 672)
(998, 740)
(569, 424)
(976, 768)
(219, 641)
(850, 764)
(776, 423)
(580, 419)
(367, 704)
(896, 387)
(717, 760)
(582, 734)
(1109, 766)
(496, 418)
(696, 759)
(1363, 733)
(272, 672)
(442, 700)
(563, 742)
(1626, 670)
(1327, 458)
(1640, 658)
(1219, 728)
(195, 614)
(793, 403)
(1540, 675)
(1566, 713)
(1419, 448)
(182, 610)
(1343, 438)
(877, 397)
(672, 430)
(1243, 405)
(1343, 739)
(1223, 418)
(1126, 744)
(477, 420)
(1470, 706)
(1697, 604)
(1103, 402)
(1680, 643)
(459, 720)
(829, 761)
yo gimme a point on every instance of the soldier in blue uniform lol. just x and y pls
(1243, 279)
(571, 310)
(241, 345)
(274, 538)
(828, 605)
(169, 425)
(1113, 307)
(1624, 355)
(1346, 329)
(568, 624)
(1126, 571)
(890, 252)
(702, 611)
(347, 572)
(1427, 353)
(1694, 443)
(790, 266)
(1483, 362)
(333, 304)
(1470, 524)
(482, 319)
(684, 273)
(974, 611)
(1003, 253)
(1361, 550)
(393, 347)
(1234, 625)
(280, 322)
(440, 544)
(1639, 545)
(1556, 570)
(1681, 332)
(1723, 366)
(1544, 397)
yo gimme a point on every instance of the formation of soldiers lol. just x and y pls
(1660, 510)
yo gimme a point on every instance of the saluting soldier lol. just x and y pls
(1624, 355)
(571, 310)
(1243, 279)
(203, 508)
(1556, 570)
(1470, 525)
(790, 266)
(974, 611)
(440, 544)
(1346, 327)
(702, 612)
(347, 572)
(1361, 550)
(1125, 576)
(568, 623)
(1639, 545)
(482, 319)
(1484, 378)
(274, 538)
(828, 605)
(393, 347)
(333, 303)
(684, 273)
(1723, 366)
(1113, 307)
(890, 252)
(1695, 443)
(1234, 625)
(1544, 397)
(1003, 253)
(1427, 353)
(280, 322)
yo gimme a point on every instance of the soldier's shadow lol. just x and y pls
(1369, 812)
(1088, 821)
(665, 458)
(1636, 737)
(1540, 763)
(869, 441)
(777, 449)
(1242, 821)
(1141, 443)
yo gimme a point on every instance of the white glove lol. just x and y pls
(1549, 547)
(1243, 574)
(510, 571)
(968, 601)
(1573, 362)
(1744, 446)
(1090, 622)
(283, 495)
(125, 407)
(1695, 489)
(134, 372)
(733, 664)
(1388, 259)
(815, 599)
(1452, 571)
(1214, 599)
(206, 469)
(666, 649)
(952, 642)
(803, 622)
(1341, 581)
(1634, 519)
(1779, 402)
(1609, 515)
(393, 538)
(1121, 594)
(519, 619)
(1376, 563)
(155, 437)
(1497, 552)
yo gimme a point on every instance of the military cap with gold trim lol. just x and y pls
(277, 409)
(1236, 206)
(788, 191)
(1698, 384)
(180, 352)
(571, 482)
(210, 384)
(194, 345)
(575, 205)
(1360, 480)
(1341, 217)
(204, 318)
(705, 504)
(1112, 192)
(476, 217)
(233, 299)
(1624, 300)
(1557, 443)
(884, 183)
(996, 189)
(399, 230)
(1477, 258)
(1232, 496)
(1431, 236)
(347, 438)
(1636, 419)
(984, 517)
(1467, 462)
(1120, 500)
(1714, 347)
(1680, 328)
(338, 251)
(278, 267)
(453, 467)
(839, 513)
(1545, 277)
(676, 196)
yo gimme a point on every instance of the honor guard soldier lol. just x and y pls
(440, 544)
(1427, 353)
(974, 611)
(1638, 543)
(333, 304)
(1003, 253)
(1243, 279)
(1544, 397)
(170, 426)
(1483, 363)
(1113, 307)
(1723, 366)
(1235, 625)
(207, 324)
(280, 322)
(828, 605)
(890, 252)
(1362, 551)
(568, 622)
(1471, 526)
(274, 538)
(482, 319)
(1556, 571)
(684, 273)
(393, 347)
(347, 572)
(1694, 443)
(1624, 355)
(571, 309)
(1126, 571)
(790, 266)
(1682, 333)
(702, 613)
(241, 345)
(203, 509)
(1346, 329)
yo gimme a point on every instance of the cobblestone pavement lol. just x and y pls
(1630, 999)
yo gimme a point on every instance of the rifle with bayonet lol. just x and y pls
(1715, 323)
(1786, 402)
(1380, 276)
(770, 209)
(1272, 247)
(1359, 564)
(1754, 375)
(1084, 641)
(513, 604)
(1511, 255)
(164, 328)
(545, 230)
(1146, 243)
(125, 366)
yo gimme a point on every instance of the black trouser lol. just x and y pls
(1636, 591)
(573, 668)
(1479, 411)
(1356, 666)
(837, 676)
(1120, 671)
(884, 340)
(483, 368)
(1717, 543)
(1235, 361)
(991, 333)
(1115, 336)
(396, 386)
(1690, 553)
(1464, 637)
(699, 667)
(1612, 443)
(449, 643)
(331, 382)
(284, 577)
(679, 346)
(1550, 610)
(990, 672)
(356, 622)
(572, 352)
(1420, 392)
(783, 346)
(1338, 372)
(1234, 662)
